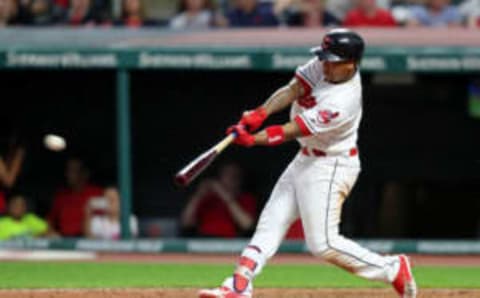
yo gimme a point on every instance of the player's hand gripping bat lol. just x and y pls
(186, 175)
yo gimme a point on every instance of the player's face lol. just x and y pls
(337, 72)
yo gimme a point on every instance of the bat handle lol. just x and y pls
(225, 142)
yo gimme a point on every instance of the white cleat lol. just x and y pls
(404, 283)
(222, 292)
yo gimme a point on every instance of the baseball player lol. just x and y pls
(326, 108)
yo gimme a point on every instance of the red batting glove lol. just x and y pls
(243, 138)
(252, 120)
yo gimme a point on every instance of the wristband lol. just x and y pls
(275, 135)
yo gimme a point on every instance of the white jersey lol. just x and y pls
(329, 114)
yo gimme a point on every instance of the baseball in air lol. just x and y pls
(54, 142)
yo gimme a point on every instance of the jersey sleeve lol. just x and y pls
(309, 74)
(320, 119)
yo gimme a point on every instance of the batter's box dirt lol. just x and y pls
(260, 293)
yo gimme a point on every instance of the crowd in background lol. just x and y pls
(202, 14)
(79, 208)
(218, 207)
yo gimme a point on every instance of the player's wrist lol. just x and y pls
(249, 140)
(262, 113)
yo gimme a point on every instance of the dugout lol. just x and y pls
(165, 97)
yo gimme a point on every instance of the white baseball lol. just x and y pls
(54, 142)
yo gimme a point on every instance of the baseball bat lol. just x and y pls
(186, 175)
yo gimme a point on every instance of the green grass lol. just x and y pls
(112, 275)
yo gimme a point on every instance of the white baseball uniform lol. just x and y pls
(317, 181)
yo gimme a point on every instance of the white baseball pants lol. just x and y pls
(315, 188)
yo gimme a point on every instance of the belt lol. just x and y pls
(320, 153)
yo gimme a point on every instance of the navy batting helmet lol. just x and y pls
(340, 45)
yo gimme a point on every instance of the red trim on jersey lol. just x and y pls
(302, 125)
(305, 84)
(305, 151)
(353, 152)
(318, 153)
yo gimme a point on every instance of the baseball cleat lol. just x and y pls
(222, 292)
(404, 283)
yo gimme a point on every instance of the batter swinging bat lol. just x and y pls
(186, 175)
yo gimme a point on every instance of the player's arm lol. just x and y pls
(270, 136)
(284, 97)
(280, 99)
(310, 122)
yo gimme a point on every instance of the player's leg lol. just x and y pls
(280, 211)
(321, 193)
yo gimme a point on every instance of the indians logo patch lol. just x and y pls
(326, 116)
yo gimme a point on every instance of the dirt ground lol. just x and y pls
(260, 293)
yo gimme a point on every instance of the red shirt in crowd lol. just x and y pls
(3, 203)
(381, 18)
(133, 22)
(68, 210)
(214, 218)
(62, 3)
(296, 231)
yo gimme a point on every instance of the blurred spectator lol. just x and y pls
(102, 217)
(219, 208)
(8, 13)
(80, 13)
(339, 8)
(470, 9)
(68, 210)
(38, 12)
(306, 13)
(133, 15)
(62, 3)
(435, 13)
(251, 13)
(9, 170)
(368, 13)
(194, 14)
(19, 223)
